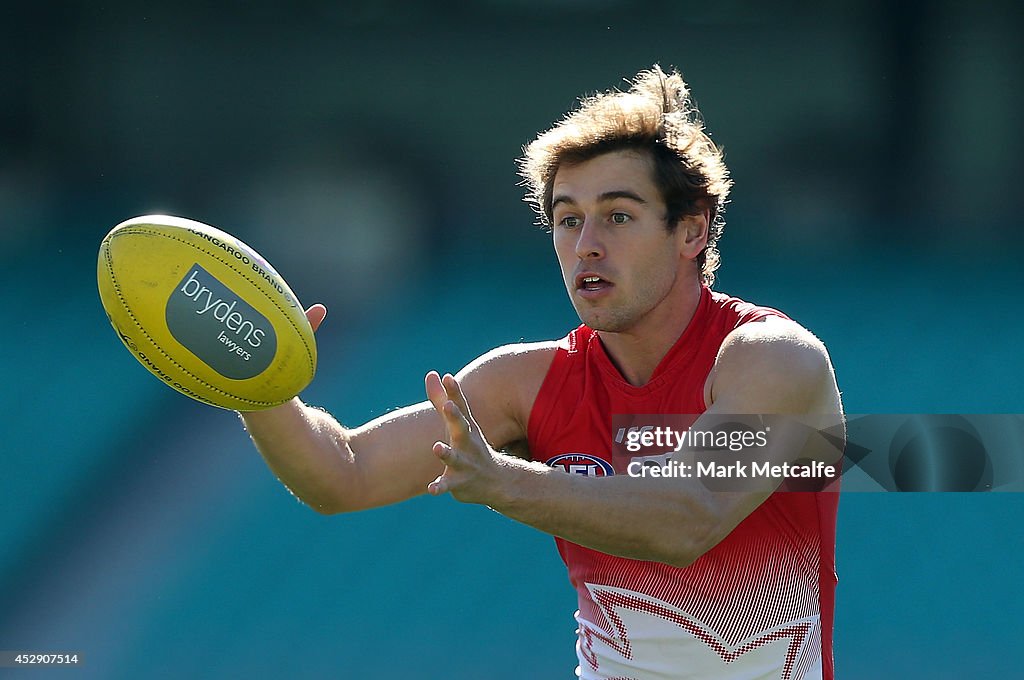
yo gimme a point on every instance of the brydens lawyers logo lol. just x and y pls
(581, 464)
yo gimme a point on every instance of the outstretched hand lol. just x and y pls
(471, 465)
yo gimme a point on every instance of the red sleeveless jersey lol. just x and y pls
(757, 605)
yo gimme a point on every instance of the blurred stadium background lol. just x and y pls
(367, 149)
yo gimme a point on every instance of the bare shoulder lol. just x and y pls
(502, 385)
(773, 366)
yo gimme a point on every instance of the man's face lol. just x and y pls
(620, 263)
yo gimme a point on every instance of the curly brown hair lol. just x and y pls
(657, 116)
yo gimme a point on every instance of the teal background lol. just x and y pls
(367, 150)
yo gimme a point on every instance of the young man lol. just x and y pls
(673, 580)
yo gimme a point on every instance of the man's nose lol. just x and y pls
(589, 244)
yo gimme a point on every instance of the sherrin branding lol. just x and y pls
(205, 313)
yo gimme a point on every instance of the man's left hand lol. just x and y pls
(471, 465)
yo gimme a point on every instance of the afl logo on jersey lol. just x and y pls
(581, 464)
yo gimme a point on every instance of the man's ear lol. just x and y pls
(692, 233)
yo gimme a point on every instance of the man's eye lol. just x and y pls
(620, 218)
(570, 222)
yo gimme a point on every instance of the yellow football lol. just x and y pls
(205, 313)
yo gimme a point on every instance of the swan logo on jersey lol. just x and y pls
(581, 464)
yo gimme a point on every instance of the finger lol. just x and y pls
(316, 315)
(454, 417)
(458, 424)
(453, 388)
(438, 486)
(435, 391)
(445, 453)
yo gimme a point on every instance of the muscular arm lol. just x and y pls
(336, 469)
(773, 367)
